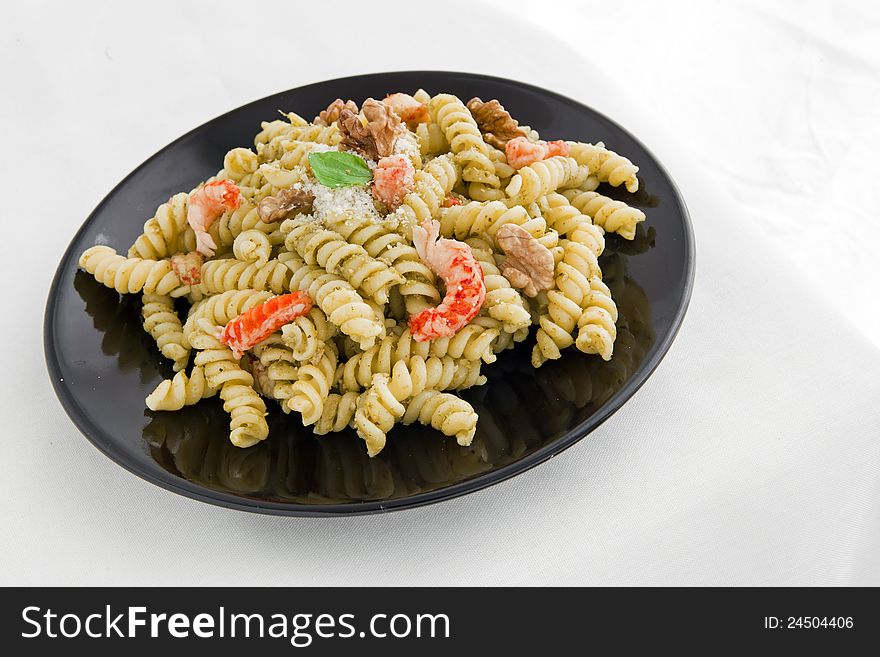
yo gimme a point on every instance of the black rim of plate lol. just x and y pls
(198, 492)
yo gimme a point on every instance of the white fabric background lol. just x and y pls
(750, 457)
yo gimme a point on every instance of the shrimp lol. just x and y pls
(206, 204)
(188, 267)
(521, 152)
(258, 323)
(454, 262)
(557, 147)
(393, 179)
(408, 109)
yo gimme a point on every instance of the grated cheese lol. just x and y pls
(354, 201)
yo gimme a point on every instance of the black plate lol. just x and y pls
(102, 364)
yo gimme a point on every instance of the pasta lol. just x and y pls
(131, 275)
(182, 390)
(380, 240)
(565, 306)
(465, 141)
(596, 325)
(252, 246)
(231, 274)
(274, 368)
(308, 335)
(166, 233)
(343, 306)
(376, 412)
(441, 373)
(337, 414)
(240, 163)
(610, 215)
(312, 386)
(606, 165)
(569, 222)
(361, 269)
(449, 414)
(161, 322)
(432, 185)
(247, 410)
(503, 303)
(351, 261)
(542, 178)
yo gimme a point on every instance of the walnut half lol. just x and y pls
(331, 114)
(277, 207)
(529, 264)
(495, 122)
(376, 137)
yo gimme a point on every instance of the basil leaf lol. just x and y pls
(338, 169)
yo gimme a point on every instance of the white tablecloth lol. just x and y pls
(750, 457)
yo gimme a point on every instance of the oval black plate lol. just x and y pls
(102, 364)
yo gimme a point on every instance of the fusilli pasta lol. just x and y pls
(182, 390)
(606, 165)
(612, 216)
(162, 322)
(352, 270)
(131, 275)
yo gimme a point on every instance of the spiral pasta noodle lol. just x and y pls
(131, 275)
(163, 324)
(338, 413)
(166, 233)
(484, 219)
(565, 307)
(376, 412)
(239, 163)
(612, 216)
(596, 325)
(229, 274)
(432, 139)
(274, 148)
(275, 369)
(351, 261)
(218, 310)
(450, 415)
(181, 390)
(441, 373)
(569, 222)
(221, 308)
(296, 154)
(465, 141)
(252, 246)
(277, 128)
(307, 335)
(341, 303)
(312, 386)
(432, 185)
(503, 303)
(246, 408)
(606, 165)
(400, 397)
(233, 223)
(544, 177)
(381, 241)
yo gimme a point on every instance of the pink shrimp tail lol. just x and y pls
(206, 204)
(454, 262)
(205, 244)
(521, 152)
(258, 323)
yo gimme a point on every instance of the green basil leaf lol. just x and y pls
(338, 169)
